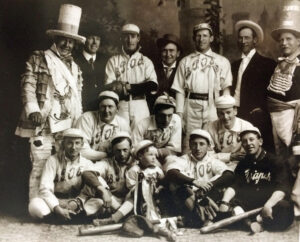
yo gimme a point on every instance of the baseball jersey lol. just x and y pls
(227, 141)
(62, 176)
(98, 134)
(208, 169)
(113, 173)
(133, 69)
(257, 178)
(169, 137)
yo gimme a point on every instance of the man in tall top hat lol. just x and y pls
(251, 76)
(51, 92)
(92, 65)
(284, 87)
(169, 49)
(200, 78)
(131, 75)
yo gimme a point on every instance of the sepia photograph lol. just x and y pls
(150, 120)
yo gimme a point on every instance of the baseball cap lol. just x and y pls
(121, 134)
(130, 28)
(108, 94)
(142, 145)
(74, 133)
(165, 100)
(202, 26)
(250, 130)
(225, 101)
(202, 133)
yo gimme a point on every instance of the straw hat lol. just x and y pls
(250, 24)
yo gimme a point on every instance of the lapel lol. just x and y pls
(253, 62)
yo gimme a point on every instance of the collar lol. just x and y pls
(235, 127)
(114, 122)
(250, 54)
(88, 56)
(193, 158)
(170, 67)
(261, 155)
(128, 56)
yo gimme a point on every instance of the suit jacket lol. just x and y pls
(164, 83)
(92, 80)
(254, 84)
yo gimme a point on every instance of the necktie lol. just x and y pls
(91, 61)
(168, 71)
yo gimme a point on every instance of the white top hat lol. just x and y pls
(68, 23)
(250, 24)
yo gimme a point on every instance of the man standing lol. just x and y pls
(199, 79)
(131, 75)
(51, 92)
(170, 50)
(163, 128)
(251, 76)
(92, 65)
(261, 180)
(284, 87)
(100, 126)
(61, 179)
(225, 132)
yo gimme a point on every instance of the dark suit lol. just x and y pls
(253, 93)
(92, 80)
(164, 83)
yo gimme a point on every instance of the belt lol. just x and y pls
(201, 96)
(134, 97)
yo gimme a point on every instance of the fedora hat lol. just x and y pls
(166, 39)
(68, 23)
(254, 26)
(289, 20)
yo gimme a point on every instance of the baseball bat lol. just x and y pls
(227, 221)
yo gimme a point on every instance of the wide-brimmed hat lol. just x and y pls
(68, 23)
(252, 25)
(166, 39)
(289, 20)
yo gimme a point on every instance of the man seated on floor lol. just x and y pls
(197, 179)
(261, 180)
(104, 193)
(61, 178)
(100, 126)
(225, 131)
(163, 128)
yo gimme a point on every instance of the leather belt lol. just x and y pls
(135, 97)
(201, 96)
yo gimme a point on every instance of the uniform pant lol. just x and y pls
(40, 150)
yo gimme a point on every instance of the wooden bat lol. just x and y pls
(93, 230)
(227, 221)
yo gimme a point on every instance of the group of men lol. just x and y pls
(196, 127)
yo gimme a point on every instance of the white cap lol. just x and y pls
(165, 100)
(142, 145)
(121, 134)
(225, 101)
(130, 28)
(202, 26)
(202, 133)
(108, 94)
(250, 130)
(74, 133)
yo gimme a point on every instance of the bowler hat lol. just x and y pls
(168, 38)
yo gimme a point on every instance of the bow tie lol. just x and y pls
(286, 59)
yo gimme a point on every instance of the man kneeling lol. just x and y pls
(61, 179)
